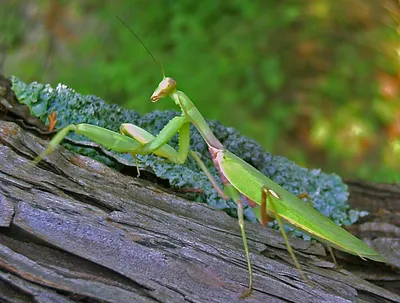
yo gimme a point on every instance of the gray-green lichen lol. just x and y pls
(327, 191)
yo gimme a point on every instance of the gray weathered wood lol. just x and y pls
(75, 229)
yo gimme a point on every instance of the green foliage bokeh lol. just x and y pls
(300, 77)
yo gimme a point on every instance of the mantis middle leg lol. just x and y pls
(231, 192)
(132, 139)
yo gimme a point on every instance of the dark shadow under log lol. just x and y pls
(74, 230)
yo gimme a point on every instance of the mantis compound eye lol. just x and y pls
(166, 87)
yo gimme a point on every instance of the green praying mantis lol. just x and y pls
(241, 181)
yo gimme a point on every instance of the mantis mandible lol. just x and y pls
(240, 180)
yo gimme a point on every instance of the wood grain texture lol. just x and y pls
(79, 231)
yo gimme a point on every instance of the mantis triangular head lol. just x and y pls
(166, 87)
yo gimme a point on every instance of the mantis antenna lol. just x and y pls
(144, 45)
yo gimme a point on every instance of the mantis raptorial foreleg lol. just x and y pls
(158, 144)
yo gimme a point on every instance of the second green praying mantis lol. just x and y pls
(241, 181)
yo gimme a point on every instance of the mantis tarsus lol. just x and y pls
(241, 181)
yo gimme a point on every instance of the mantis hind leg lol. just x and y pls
(333, 257)
(266, 198)
(310, 202)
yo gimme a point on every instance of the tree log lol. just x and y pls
(74, 230)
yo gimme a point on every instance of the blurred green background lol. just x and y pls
(315, 81)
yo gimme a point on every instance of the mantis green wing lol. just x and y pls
(249, 181)
(240, 178)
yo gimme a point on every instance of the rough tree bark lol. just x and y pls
(74, 230)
